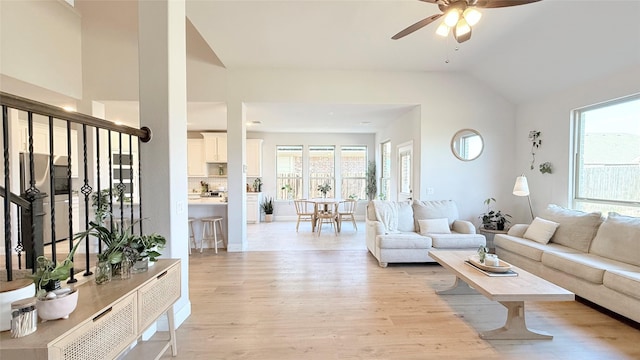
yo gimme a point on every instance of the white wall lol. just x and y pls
(40, 43)
(448, 102)
(284, 210)
(552, 117)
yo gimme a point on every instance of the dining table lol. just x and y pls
(323, 205)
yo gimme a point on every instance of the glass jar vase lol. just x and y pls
(103, 272)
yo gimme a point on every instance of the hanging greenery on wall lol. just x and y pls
(545, 168)
(534, 137)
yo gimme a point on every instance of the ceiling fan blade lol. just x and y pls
(419, 25)
(488, 4)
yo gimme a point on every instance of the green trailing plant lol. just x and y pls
(534, 137)
(372, 185)
(545, 168)
(267, 205)
(48, 271)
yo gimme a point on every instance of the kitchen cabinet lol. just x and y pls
(215, 147)
(253, 207)
(195, 157)
(254, 157)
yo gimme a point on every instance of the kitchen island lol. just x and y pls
(201, 207)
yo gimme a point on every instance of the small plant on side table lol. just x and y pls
(492, 219)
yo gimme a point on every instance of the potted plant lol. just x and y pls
(372, 186)
(267, 208)
(146, 249)
(48, 274)
(324, 189)
(492, 219)
(116, 250)
(51, 301)
(288, 191)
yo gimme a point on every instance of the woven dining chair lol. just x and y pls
(346, 211)
(306, 212)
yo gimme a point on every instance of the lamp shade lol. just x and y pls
(521, 188)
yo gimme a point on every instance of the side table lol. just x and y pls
(489, 234)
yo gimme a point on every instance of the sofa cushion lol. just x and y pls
(540, 230)
(403, 241)
(405, 216)
(387, 213)
(584, 266)
(527, 248)
(618, 238)
(457, 241)
(436, 209)
(626, 282)
(576, 230)
(434, 226)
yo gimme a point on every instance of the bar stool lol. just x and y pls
(192, 236)
(209, 231)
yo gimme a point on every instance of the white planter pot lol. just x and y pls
(58, 308)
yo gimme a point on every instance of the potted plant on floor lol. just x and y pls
(267, 208)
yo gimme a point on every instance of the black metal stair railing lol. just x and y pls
(26, 214)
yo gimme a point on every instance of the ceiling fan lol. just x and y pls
(459, 15)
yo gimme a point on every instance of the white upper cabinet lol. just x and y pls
(215, 147)
(254, 157)
(195, 157)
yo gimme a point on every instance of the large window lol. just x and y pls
(321, 169)
(289, 172)
(607, 161)
(385, 179)
(353, 166)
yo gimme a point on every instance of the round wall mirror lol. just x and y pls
(467, 144)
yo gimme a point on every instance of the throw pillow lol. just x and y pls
(541, 230)
(434, 226)
(577, 228)
(435, 209)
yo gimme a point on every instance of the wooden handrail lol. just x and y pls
(14, 198)
(20, 103)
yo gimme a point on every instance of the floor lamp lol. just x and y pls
(521, 188)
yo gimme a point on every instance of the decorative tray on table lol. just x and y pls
(502, 268)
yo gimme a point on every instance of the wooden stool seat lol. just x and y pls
(209, 231)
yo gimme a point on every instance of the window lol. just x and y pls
(122, 173)
(353, 167)
(321, 169)
(607, 157)
(289, 172)
(385, 180)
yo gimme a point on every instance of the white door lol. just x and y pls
(405, 170)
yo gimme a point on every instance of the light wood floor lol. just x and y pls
(339, 304)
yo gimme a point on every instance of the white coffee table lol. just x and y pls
(511, 292)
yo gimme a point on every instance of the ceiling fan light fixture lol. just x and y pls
(472, 16)
(452, 17)
(462, 31)
(443, 30)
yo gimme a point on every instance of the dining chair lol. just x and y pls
(346, 210)
(306, 212)
(327, 213)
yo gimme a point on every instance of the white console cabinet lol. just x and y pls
(108, 319)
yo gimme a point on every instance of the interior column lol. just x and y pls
(163, 108)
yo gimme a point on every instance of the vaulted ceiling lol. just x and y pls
(522, 52)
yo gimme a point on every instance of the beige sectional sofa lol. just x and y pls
(597, 259)
(404, 232)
